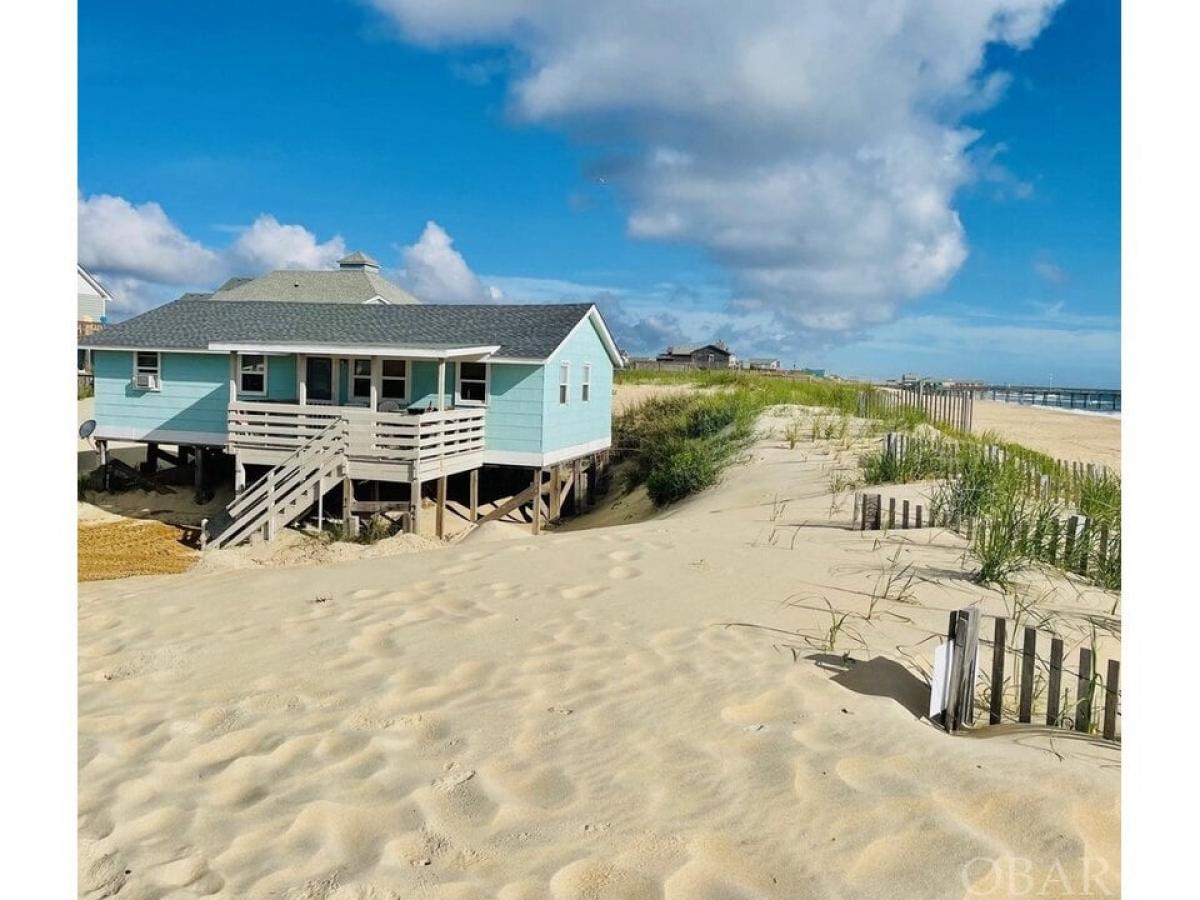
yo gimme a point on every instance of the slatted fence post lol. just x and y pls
(1054, 686)
(960, 705)
(863, 512)
(918, 515)
(891, 513)
(854, 515)
(999, 650)
(1112, 685)
(904, 515)
(1028, 659)
(1083, 697)
(877, 513)
(1054, 527)
(1069, 543)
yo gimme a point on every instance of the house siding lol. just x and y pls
(193, 398)
(514, 410)
(576, 422)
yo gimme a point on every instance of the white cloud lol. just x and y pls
(145, 259)
(1049, 271)
(268, 245)
(813, 149)
(437, 273)
(140, 242)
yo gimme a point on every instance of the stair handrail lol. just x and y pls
(274, 492)
(336, 430)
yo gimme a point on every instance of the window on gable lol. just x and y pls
(252, 373)
(472, 382)
(564, 383)
(585, 389)
(393, 384)
(360, 379)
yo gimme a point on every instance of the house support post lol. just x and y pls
(348, 506)
(102, 450)
(414, 507)
(441, 507)
(441, 397)
(555, 492)
(537, 500)
(593, 482)
(239, 474)
(577, 495)
(151, 458)
(199, 472)
(474, 491)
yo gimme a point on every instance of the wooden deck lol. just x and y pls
(382, 446)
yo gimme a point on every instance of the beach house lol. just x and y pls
(315, 379)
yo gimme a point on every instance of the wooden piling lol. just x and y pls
(1028, 659)
(919, 524)
(537, 500)
(474, 495)
(1054, 685)
(999, 649)
(1083, 696)
(904, 515)
(440, 520)
(1111, 698)
(891, 513)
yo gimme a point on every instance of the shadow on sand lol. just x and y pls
(878, 677)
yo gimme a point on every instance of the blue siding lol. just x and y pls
(194, 395)
(577, 422)
(422, 384)
(514, 412)
(281, 379)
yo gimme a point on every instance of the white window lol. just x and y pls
(585, 391)
(564, 383)
(147, 370)
(472, 383)
(393, 384)
(360, 379)
(252, 374)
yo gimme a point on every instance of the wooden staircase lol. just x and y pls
(285, 493)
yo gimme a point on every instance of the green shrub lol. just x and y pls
(685, 468)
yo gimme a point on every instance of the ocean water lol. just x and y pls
(1051, 402)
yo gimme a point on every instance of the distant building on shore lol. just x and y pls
(763, 364)
(813, 373)
(698, 356)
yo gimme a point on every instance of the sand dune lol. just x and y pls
(572, 715)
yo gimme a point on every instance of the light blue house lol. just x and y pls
(333, 377)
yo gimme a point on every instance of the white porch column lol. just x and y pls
(441, 398)
(301, 379)
(376, 381)
(336, 399)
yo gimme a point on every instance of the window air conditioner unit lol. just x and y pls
(145, 381)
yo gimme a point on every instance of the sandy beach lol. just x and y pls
(1073, 436)
(652, 709)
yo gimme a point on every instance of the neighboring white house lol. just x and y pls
(93, 300)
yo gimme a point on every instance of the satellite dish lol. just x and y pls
(86, 429)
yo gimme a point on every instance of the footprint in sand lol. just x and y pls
(624, 573)
(457, 570)
(580, 591)
(625, 556)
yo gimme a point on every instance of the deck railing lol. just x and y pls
(373, 435)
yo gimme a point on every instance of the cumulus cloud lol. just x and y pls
(146, 259)
(437, 273)
(268, 245)
(813, 149)
(140, 242)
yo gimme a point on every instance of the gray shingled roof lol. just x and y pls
(357, 258)
(353, 285)
(522, 331)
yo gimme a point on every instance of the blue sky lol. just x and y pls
(927, 190)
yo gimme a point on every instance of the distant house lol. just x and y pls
(761, 363)
(322, 378)
(700, 356)
(93, 302)
(813, 373)
(92, 311)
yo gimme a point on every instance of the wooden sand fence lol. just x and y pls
(1045, 688)
(1071, 541)
(950, 407)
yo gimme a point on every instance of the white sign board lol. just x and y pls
(941, 678)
